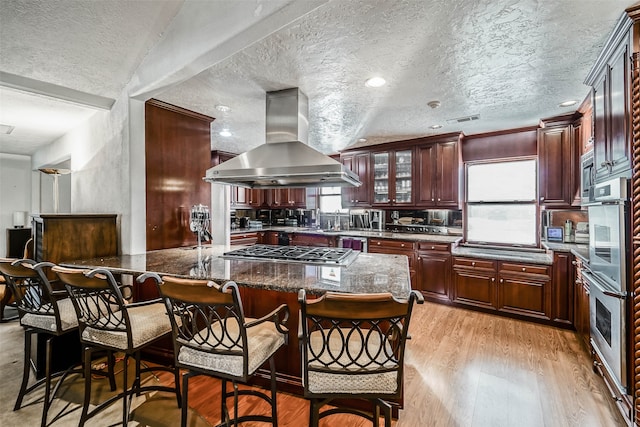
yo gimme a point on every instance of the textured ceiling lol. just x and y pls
(510, 61)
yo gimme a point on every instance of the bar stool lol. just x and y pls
(211, 336)
(352, 347)
(107, 322)
(42, 310)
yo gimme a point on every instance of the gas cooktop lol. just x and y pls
(302, 254)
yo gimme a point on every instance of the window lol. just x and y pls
(501, 202)
(331, 200)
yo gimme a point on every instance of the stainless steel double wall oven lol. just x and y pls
(609, 276)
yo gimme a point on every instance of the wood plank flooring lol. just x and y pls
(465, 368)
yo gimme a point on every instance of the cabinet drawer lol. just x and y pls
(244, 239)
(393, 244)
(525, 268)
(426, 246)
(474, 263)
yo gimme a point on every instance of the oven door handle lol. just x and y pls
(593, 281)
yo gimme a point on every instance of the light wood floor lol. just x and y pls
(465, 368)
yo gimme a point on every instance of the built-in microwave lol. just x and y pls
(587, 178)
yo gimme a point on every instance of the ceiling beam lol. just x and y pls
(26, 84)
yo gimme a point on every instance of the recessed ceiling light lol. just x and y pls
(568, 103)
(362, 139)
(435, 126)
(434, 104)
(225, 132)
(223, 108)
(6, 129)
(375, 82)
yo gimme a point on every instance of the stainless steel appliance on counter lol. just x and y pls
(366, 219)
(608, 278)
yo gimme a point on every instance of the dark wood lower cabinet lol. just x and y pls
(524, 290)
(268, 237)
(474, 283)
(249, 238)
(434, 271)
(582, 321)
(304, 239)
(563, 291)
(397, 247)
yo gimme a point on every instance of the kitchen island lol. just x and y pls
(368, 273)
(263, 286)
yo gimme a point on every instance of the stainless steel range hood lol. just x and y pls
(285, 160)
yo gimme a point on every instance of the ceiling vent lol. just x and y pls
(464, 119)
(6, 129)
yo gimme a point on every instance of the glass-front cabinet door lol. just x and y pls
(381, 171)
(393, 177)
(403, 177)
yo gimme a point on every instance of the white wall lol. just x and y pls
(15, 192)
(99, 153)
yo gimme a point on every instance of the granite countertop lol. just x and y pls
(414, 237)
(504, 254)
(543, 256)
(579, 250)
(368, 273)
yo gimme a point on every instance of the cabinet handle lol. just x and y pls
(402, 245)
(573, 262)
(419, 258)
(393, 200)
(473, 264)
(433, 248)
(357, 200)
(438, 198)
(432, 199)
(524, 269)
(493, 279)
(542, 199)
(378, 243)
(501, 280)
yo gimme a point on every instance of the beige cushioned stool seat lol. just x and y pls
(262, 340)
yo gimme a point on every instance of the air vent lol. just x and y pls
(464, 119)
(6, 129)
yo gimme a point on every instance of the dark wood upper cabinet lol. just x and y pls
(287, 198)
(358, 163)
(611, 89)
(438, 174)
(422, 172)
(618, 149)
(558, 179)
(393, 177)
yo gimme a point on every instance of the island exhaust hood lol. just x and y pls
(285, 160)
